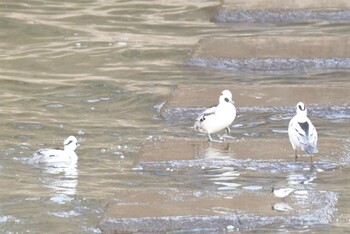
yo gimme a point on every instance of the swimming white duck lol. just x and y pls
(218, 117)
(67, 155)
(302, 133)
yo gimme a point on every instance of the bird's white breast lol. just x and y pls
(223, 117)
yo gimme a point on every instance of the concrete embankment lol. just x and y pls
(272, 53)
(215, 186)
(261, 11)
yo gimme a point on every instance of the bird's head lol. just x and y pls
(301, 109)
(226, 97)
(71, 143)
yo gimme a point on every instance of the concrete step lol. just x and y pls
(222, 198)
(272, 53)
(240, 153)
(194, 96)
(232, 179)
(157, 203)
(262, 110)
(169, 210)
(282, 11)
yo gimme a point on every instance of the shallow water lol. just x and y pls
(99, 70)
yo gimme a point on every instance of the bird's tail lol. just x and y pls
(311, 149)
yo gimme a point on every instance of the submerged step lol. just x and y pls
(218, 202)
(261, 154)
(282, 11)
(272, 53)
(194, 96)
(171, 209)
(262, 110)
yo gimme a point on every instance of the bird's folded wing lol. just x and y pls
(313, 135)
(299, 134)
(207, 112)
(210, 111)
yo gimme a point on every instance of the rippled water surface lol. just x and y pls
(97, 70)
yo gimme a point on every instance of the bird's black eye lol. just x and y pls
(300, 107)
(226, 100)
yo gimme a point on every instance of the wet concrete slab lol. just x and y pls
(272, 53)
(177, 149)
(223, 199)
(226, 198)
(269, 155)
(174, 202)
(226, 187)
(173, 209)
(194, 96)
(282, 11)
(184, 210)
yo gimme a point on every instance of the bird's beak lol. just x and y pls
(232, 102)
(78, 145)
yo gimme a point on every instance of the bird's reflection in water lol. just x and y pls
(62, 179)
(305, 177)
(282, 206)
(216, 151)
(224, 178)
(212, 150)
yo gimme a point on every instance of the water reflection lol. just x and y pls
(224, 178)
(61, 179)
(301, 178)
(215, 150)
(282, 206)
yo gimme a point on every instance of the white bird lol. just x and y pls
(302, 133)
(282, 192)
(218, 117)
(67, 155)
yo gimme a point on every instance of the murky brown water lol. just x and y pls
(97, 69)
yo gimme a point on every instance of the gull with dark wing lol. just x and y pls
(302, 133)
(217, 118)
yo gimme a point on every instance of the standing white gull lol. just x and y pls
(302, 133)
(218, 117)
(52, 156)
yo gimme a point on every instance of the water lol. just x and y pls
(97, 70)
